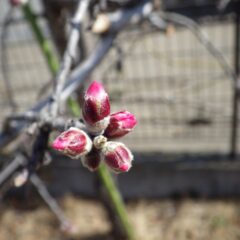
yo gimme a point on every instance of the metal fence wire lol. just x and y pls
(180, 94)
(23, 68)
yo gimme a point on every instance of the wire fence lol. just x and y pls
(24, 72)
(180, 94)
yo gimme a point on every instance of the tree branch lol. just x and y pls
(69, 54)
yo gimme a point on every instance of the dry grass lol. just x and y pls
(152, 220)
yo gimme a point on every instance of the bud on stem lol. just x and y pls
(99, 142)
(73, 143)
(117, 156)
(92, 160)
(18, 2)
(120, 124)
(96, 108)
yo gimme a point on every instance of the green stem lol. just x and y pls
(116, 200)
(106, 179)
(43, 42)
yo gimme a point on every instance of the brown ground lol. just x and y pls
(152, 220)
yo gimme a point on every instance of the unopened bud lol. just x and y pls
(18, 2)
(120, 124)
(92, 160)
(99, 141)
(21, 178)
(101, 24)
(73, 143)
(117, 156)
(96, 107)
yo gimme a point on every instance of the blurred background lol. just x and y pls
(185, 181)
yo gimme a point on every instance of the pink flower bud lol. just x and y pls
(92, 160)
(96, 105)
(117, 156)
(18, 2)
(120, 124)
(73, 143)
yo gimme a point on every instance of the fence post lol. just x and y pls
(236, 85)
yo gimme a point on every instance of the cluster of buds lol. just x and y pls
(95, 144)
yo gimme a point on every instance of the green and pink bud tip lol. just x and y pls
(117, 157)
(96, 108)
(73, 143)
(120, 124)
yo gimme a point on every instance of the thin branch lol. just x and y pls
(4, 60)
(49, 200)
(203, 39)
(6, 173)
(28, 117)
(69, 54)
(222, 4)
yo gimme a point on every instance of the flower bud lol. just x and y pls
(117, 156)
(18, 2)
(73, 143)
(120, 124)
(99, 142)
(96, 106)
(21, 178)
(92, 160)
(101, 24)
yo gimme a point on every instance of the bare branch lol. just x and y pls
(48, 199)
(203, 39)
(69, 54)
(11, 168)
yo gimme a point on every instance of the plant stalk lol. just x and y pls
(44, 43)
(116, 201)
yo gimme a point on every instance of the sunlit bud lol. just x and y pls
(99, 141)
(120, 124)
(73, 143)
(18, 2)
(117, 156)
(96, 105)
(92, 160)
(21, 178)
(101, 24)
